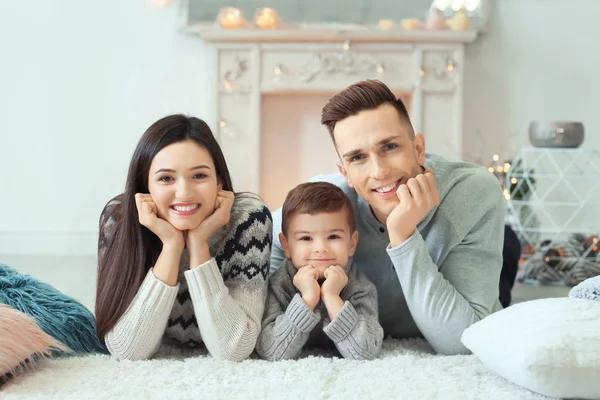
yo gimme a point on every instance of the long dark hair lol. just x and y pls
(126, 249)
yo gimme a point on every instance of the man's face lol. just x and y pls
(377, 155)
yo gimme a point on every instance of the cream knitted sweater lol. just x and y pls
(219, 303)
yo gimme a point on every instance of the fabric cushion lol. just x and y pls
(58, 315)
(21, 341)
(549, 346)
(588, 289)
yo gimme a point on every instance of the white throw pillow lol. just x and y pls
(549, 346)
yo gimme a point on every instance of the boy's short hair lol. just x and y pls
(313, 198)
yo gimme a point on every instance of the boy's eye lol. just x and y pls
(332, 237)
(305, 238)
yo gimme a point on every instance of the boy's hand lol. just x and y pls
(335, 280)
(417, 197)
(305, 281)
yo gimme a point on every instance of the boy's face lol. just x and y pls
(320, 240)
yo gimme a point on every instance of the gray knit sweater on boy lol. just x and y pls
(289, 325)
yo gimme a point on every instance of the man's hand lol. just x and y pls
(417, 197)
(305, 281)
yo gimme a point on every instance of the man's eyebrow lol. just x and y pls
(388, 139)
(351, 153)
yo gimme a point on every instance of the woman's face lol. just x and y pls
(183, 184)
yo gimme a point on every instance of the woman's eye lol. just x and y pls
(165, 179)
(200, 176)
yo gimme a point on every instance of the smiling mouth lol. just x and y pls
(185, 210)
(388, 189)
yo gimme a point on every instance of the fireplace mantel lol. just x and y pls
(424, 67)
(212, 33)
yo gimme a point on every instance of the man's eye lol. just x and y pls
(356, 158)
(390, 146)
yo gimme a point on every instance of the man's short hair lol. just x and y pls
(314, 198)
(364, 95)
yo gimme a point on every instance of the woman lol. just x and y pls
(180, 256)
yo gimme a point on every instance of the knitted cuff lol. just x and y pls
(343, 323)
(206, 278)
(300, 315)
(155, 291)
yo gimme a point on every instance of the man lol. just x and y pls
(431, 230)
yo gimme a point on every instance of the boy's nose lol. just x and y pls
(321, 248)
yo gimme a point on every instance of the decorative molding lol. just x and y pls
(235, 72)
(338, 63)
(440, 65)
(49, 242)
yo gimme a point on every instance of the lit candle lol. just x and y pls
(231, 18)
(386, 24)
(411, 24)
(267, 18)
(161, 3)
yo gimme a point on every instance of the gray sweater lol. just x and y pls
(445, 277)
(289, 325)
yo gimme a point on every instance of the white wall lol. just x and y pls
(540, 60)
(81, 81)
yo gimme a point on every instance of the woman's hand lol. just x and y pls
(216, 220)
(148, 217)
(197, 238)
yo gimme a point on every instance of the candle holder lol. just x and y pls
(267, 18)
(231, 18)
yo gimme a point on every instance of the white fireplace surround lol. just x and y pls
(424, 67)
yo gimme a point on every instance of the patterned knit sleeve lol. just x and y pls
(229, 291)
(355, 330)
(287, 322)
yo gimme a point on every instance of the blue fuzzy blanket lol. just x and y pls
(57, 314)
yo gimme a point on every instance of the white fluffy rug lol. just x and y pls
(406, 370)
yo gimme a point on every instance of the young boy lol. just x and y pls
(317, 283)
